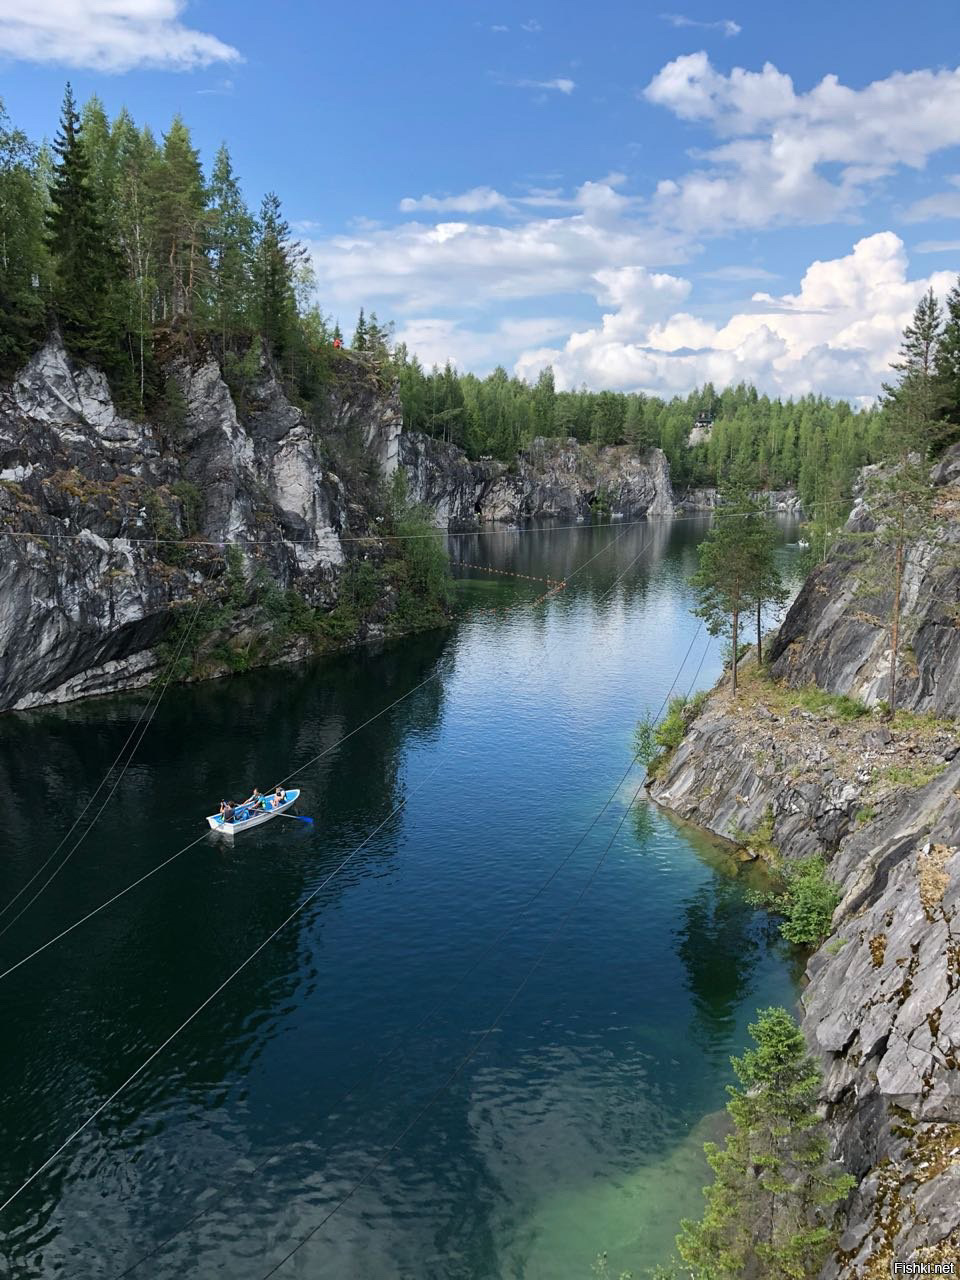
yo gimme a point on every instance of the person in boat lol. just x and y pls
(280, 795)
(228, 810)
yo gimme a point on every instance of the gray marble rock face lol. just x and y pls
(551, 478)
(86, 596)
(829, 635)
(881, 805)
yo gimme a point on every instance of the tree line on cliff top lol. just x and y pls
(122, 239)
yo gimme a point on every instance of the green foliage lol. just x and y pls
(654, 743)
(913, 776)
(767, 1208)
(86, 264)
(738, 572)
(276, 260)
(24, 264)
(836, 705)
(807, 901)
(192, 501)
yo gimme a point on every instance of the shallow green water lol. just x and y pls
(575, 1127)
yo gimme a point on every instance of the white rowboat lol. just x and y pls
(254, 818)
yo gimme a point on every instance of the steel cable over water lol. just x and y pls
(297, 910)
(474, 964)
(116, 782)
(505, 1008)
(300, 769)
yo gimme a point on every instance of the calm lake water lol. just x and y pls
(577, 1124)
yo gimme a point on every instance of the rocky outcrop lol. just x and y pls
(783, 502)
(831, 637)
(113, 528)
(787, 771)
(551, 478)
(882, 1003)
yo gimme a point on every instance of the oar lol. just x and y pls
(295, 817)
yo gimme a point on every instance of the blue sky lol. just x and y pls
(643, 196)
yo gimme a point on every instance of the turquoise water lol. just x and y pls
(575, 1126)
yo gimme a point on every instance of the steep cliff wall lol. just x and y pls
(828, 636)
(551, 478)
(118, 522)
(790, 771)
(784, 502)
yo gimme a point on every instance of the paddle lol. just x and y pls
(295, 817)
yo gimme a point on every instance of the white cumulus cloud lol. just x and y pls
(797, 157)
(476, 200)
(107, 35)
(420, 266)
(835, 336)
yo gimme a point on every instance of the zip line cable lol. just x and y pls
(505, 1008)
(213, 995)
(117, 780)
(481, 1040)
(210, 998)
(474, 964)
(300, 769)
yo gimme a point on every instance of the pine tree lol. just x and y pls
(766, 1211)
(726, 582)
(768, 587)
(86, 265)
(180, 223)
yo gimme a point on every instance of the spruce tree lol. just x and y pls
(231, 246)
(544, 403)
(85, 261)
(276, 260)
(359, 342)
(768, 1207)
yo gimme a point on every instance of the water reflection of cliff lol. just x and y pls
(94, 1006)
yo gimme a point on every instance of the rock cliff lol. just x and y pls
(789, 770)
(111, 526)
(828, 635)
(551, 478)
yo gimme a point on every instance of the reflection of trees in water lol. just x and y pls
(96, 1005)
(718, 945)
(642, 818)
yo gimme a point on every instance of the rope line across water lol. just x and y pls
(474, 964)
(116, 782)
(210, 998)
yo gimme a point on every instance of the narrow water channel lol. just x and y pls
(577, 1124)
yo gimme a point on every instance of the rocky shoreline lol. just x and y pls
(116, 528)
(799, 765)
